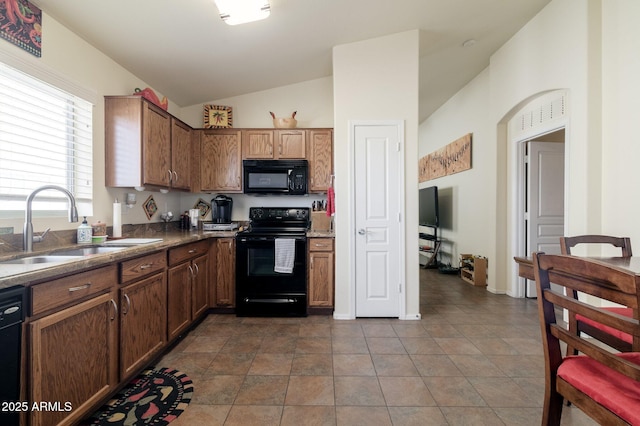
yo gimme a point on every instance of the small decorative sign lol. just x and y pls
(203, 206)
(453, 158)
(150, 207)
(21, 24)
(217, 117)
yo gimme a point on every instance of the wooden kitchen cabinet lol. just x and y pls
(320, 156)
(270, 144)
(321, 273)
(181, 147)
(291, 144)
(145, 145)
(221, 160)
(143, 311)
(257, 144)
(187, 286)
(225, 272)
(73, 352)
(143, 323)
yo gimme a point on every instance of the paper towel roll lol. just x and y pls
(117, 220)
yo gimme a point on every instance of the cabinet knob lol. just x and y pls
(361, 231)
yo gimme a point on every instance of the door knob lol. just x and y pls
(361, 231)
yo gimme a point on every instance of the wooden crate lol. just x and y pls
(473, 269)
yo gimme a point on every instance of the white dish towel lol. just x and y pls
(285, 255)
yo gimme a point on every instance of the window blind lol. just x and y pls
(45, 138)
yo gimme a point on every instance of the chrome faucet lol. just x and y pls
(27, 235)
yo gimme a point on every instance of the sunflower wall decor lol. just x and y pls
(217, 117)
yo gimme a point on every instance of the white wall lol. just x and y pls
(465, 199)
(375, 80)
(590, 49)
(67, 56)
(620, 112)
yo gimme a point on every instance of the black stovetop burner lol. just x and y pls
(277, 220)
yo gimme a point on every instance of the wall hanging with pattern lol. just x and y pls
(21, 24)
(453, 158)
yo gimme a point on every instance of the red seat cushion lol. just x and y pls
(613, 390)
(627, 312)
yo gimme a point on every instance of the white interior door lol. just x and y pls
(545, 199)
(378, 188)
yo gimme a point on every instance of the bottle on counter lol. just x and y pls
(84, 232)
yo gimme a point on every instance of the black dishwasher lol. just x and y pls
(11, 318)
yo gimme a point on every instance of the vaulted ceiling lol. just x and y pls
(184, 50)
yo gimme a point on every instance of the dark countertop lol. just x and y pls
(21, 274)
(11, 274)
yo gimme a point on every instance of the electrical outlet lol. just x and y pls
(6, 230)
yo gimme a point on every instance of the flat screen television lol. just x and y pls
(429, 215)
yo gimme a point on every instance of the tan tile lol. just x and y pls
(413, 329)
(308, 416)
(417, 416)
(520, 416)
(271, 364)
(405, 392)
(435, 365)
(421, 345)
(192, 364)
(312, 365)
(470, 416)
(314, 330)
(526, 346)
(358, 391)
(453, 392)
(206, 344)
(476, 366)
(520, 365)
(242, 344)
(385, 345)
(378, 330)
(262, 390)
(230, 363)
(349, 345)
(279, 344)
(363, 416)
(493, 346)
(210, 415)
(216, 389)
(457, 346)
(353, 365)
(351, 329)
(394, 365)
(314, 345)
(502, 392)
(445, 330)
(254, 415)
(310, 390)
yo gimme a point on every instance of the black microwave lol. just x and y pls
(275, 176)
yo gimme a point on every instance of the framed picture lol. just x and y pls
(150, 207)
(203, 206)
(217, 117)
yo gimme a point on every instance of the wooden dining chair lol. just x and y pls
(602, 382)
(618, 340)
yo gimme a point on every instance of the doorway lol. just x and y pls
(378, 188)
(543, 185)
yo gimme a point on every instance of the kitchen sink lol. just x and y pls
(87, 251)
(34, 260)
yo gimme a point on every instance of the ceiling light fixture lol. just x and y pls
(235, 12)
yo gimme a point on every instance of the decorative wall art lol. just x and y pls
(453, 158)
(218, 117)
(203, 206)
(150, 207)
(21, 24)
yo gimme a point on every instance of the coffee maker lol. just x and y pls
(221, 206)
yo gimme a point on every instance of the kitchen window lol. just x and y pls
(45, 138)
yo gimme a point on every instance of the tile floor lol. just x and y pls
(474, 358)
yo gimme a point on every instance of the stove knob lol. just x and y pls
(257, 213)
(286, 213)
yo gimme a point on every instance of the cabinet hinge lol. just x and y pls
(399, 147)
(526, 159)
(400, 288)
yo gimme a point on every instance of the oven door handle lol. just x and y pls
(276, 300)
(273, 238)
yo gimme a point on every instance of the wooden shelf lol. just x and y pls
(473, 269)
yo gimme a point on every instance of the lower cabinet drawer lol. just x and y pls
(63, 291)
(134, 269)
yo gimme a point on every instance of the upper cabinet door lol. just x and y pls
(221, 161)
(291, 144)
(181, 145)
(156, 146)
(257, 144)
(320, 159)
